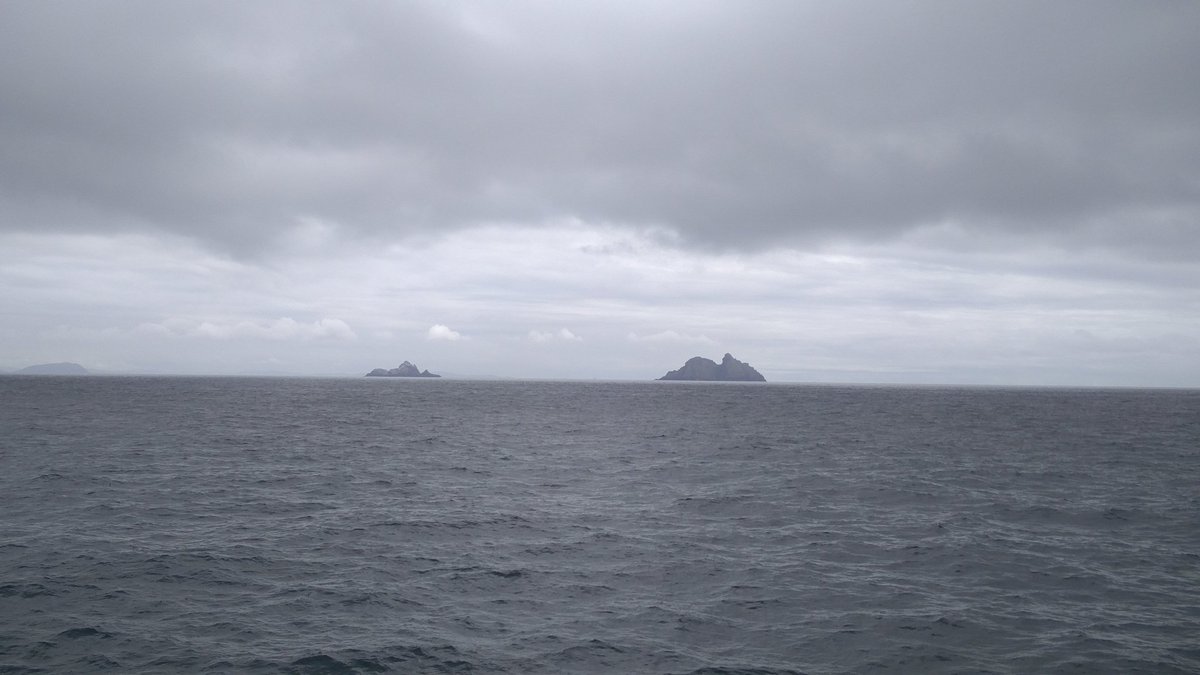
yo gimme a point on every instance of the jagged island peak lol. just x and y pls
(701, 369)
(405, 369)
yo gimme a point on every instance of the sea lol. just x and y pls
(379, 525)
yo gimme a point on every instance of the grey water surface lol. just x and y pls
(444, 526)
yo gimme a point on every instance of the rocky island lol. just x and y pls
(405, 369)
(729, 370)
(54, 369)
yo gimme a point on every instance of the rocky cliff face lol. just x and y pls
(405, 369)
(702, 369)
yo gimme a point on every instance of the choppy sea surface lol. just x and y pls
(157, 525)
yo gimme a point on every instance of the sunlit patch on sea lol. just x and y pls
(440, 526)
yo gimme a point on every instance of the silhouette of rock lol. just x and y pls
(54, 369)
(405, 369)
(730, 369)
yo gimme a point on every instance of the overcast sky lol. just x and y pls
(925, 192)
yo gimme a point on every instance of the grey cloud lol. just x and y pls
(733, 124)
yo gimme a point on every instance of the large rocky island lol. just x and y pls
(405, 369)
(729, 370)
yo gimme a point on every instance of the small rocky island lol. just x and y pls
(54, 369)
(405, 369)
(706, 370)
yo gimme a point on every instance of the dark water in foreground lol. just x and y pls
(337, 526)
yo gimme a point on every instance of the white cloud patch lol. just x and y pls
(283, 328)
(442, 332)
(562, 334)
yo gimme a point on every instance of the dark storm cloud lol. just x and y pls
(734, 124)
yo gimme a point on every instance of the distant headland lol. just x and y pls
(730, 369)
(54, 369)
(405, 369)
